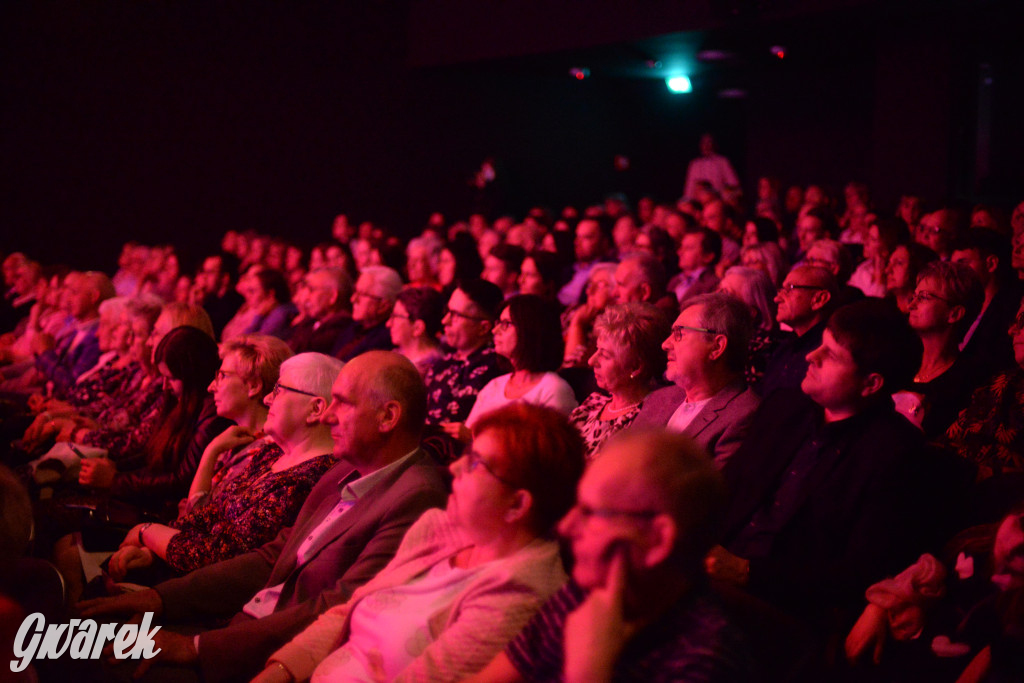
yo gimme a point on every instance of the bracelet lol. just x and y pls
(142, 530)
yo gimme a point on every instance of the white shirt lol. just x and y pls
(684, 414)
(551, 391)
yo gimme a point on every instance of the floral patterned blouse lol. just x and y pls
(587, 419)
(762, 345)
(990, 431)
(126, 427)
(245, 513)
(453, 383)
(107, 381)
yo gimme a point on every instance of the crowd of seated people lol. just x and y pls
(743, 427)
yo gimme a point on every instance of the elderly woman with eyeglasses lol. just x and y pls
(627, 365)
(465, 579)
(267, 495)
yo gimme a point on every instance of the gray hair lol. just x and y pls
(316, 371)
(756, 291)
(116, 307)
(770, 254)
(387, 283)
(725, 314)
(652, 271)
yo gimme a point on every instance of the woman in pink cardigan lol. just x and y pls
(466, 579)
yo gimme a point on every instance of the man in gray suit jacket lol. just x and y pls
(709, 401)
(348, 529)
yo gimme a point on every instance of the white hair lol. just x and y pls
(387, 283)
(316, 372)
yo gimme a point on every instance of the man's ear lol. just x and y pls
(820, 299)
(661, 540)
(389, 415)
(645, 289)
(872, 384)
(419, 328)
(991, 263)
(718, 346)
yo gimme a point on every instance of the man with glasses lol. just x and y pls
(637, 607)
(709, 400)
(469, 361)
(804, 299)
(327, 308)
(376, 291)
(348, 529)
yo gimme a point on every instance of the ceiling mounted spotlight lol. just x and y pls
(679, 84)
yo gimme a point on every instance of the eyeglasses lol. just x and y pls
(789, 287)
(502, 325)
(278, 387)
(400, 316)
(677, 331)
(927, 296)
(223, 375)
(366, 295)
(473, 460)
(586, 512)
(460, 314)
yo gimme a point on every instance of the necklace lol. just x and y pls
(615, 412)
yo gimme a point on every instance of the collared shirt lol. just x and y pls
(684, 414)
(353, 487)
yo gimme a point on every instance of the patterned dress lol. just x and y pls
(990, 431)
(587, 419)
(245, 513)
(453, 383)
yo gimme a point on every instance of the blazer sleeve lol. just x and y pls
(241, 648)
(737, 427)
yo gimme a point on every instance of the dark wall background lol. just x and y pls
(174, 121)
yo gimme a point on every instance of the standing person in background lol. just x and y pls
(710, 167)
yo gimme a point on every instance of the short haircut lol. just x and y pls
(962, 288)
(386, 281)
(710, 243)
(758, 292)
(986, 242)
(273, 280)
(541, 453)
(724, 314)
(641, 328)
(836, 253)
(827, 219)
(397, 379)
(510, 255)
(316, 370)
(880, 340)
(426, 304)
(190, 315)
(339, 281)
(819, 277)
(652, 271)
(680, 480)
(116, 306)
(539, 345)
(485, 295)
(147, 307)
(259, 358)
(101, 283)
